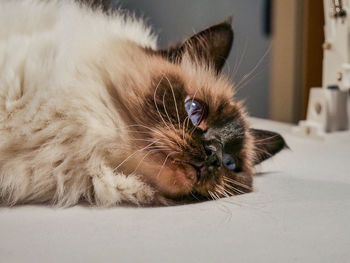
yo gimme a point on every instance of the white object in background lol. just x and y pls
(327, 112)
(328, 109)
(336, 67)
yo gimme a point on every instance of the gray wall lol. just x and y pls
(174, 20)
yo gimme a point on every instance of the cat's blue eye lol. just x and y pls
(194, 110)
(228, 162)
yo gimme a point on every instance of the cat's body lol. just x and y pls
(53, 131)
(73, 85)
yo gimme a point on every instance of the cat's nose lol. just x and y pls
(213, 150)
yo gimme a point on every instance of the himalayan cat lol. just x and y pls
(91, 109)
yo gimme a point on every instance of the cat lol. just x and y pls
(91, 109)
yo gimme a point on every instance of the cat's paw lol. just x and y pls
(134, 190)
(112, 189)
(160, 200)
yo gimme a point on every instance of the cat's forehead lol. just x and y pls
(203, 82)
(198, 83)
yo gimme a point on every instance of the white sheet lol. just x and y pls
(299, 212)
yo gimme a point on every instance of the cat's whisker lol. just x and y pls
(160, 143)
(183, 127)
(219, 193)
(229, 192)
(175, 104)
(216, 196)
(266, 139)
(143, 140)
(164, 148)
(240, 60)
(234, 189)
(192, 130)
(187, 122)
(225, 193)
(144, 157)
(143, 126)
(167, 157)
(156, 105)
(245, 83)
(222, 190)
(260, 152)
(254, 68)
(211, 195)
(131, 155)
(230, 180)
(157, 132)
(166, 111)
(194, 196)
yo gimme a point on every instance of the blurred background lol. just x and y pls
(274, 61)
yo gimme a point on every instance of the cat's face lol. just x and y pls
(202, 133)
(195, 139)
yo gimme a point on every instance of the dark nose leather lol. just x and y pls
(213, 150)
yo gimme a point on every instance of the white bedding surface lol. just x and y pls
(299, 212)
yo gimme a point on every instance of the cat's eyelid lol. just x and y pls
(189, 98)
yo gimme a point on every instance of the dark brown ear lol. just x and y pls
(210, 46)
(267, 144)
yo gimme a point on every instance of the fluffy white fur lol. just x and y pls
(55, 113)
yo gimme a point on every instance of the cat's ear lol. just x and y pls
(211, 46)
(267, 144)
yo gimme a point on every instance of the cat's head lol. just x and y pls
(193, 136)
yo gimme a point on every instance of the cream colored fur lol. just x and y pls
(57, 121)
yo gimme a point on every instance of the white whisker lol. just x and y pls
(254, 68)
(155, 102)
(126, 159)
(165, 162)
(144, 157)
(155, 131)
(166, 111)
(177, 111)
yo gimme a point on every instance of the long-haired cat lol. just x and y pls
(91, 109)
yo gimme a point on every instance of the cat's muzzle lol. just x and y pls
(209, 168)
